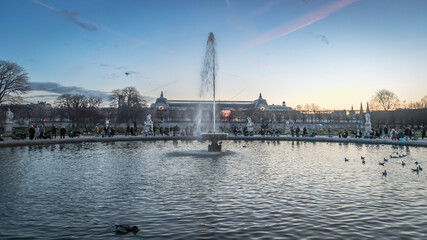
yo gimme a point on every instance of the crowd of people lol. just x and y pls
(36, 132)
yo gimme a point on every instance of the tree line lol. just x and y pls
(128, 106)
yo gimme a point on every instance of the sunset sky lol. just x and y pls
(334, 53)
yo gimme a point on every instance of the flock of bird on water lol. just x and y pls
(396, 155)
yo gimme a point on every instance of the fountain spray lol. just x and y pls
(208, 72)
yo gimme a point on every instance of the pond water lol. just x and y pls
(175, 190)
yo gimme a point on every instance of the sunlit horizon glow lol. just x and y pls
(333, 53)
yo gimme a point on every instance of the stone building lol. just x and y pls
(166, 111)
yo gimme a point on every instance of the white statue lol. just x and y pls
(249, 124)
(148, 122)
(107, 123)
(9, 115)
(367, 118)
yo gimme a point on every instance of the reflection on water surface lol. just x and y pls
(177, 190)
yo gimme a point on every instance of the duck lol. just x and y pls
(362, 157)
(416, 162)
(420, 168)
(381, 163)
(403, 163)
(402, 155)
(346, 159)
(385, 173)
(124, 228)
(391, 156)
(385, 160)
(363, 161)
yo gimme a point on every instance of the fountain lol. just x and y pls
(208, 82)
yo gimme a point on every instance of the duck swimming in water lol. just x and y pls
(123, 228)
(417, 170)
(385, 173)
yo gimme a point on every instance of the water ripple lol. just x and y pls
(177, 190)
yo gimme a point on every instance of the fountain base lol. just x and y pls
(214, 138)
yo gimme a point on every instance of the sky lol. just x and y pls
(334, 53)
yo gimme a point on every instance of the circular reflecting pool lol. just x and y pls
(176, 190)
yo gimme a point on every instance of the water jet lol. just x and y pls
(208, 76)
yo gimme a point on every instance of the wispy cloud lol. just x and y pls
(59, 89)
(300, 22)
(73, 16)
(91, 26)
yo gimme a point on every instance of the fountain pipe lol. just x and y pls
(214, 117)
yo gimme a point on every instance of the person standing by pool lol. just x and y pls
(54, 130)
(62, 132)
(41, 135)
(393, 134)
(32, 132)
(407, 133)
(37, 132)
(127, 130)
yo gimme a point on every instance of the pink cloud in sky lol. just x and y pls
(300, 22)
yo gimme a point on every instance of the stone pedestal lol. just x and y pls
(368, 129)
(214, 138)
(8, 127)
(250, 129)
(287, 128)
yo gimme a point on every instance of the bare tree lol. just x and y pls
(13, 82)
(129, 103)
(80, 109)
(385, 100)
